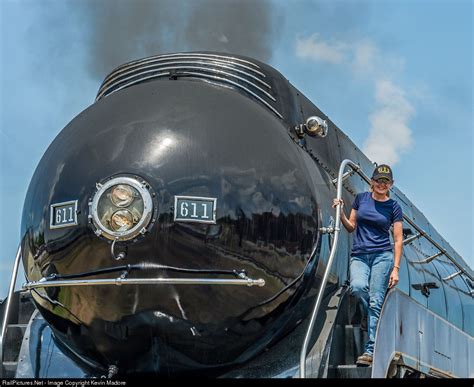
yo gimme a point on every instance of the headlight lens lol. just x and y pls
(122, 195)
(121, 220)
(121, 208)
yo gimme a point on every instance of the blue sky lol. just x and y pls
(395, 76)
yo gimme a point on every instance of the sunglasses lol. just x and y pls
(382, 181)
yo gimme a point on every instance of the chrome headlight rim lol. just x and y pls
(140, 228)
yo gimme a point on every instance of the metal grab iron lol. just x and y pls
(119, 281)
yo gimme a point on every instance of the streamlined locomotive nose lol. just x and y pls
(223, 189)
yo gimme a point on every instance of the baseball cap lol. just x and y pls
(382, 171)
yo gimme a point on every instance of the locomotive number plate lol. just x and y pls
(194, 209)
(63, 214)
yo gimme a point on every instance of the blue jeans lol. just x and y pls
(369, 276)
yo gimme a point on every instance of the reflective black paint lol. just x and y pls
(184, 138)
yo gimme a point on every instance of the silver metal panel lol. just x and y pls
(421, 339)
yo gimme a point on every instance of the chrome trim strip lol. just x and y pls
(43, 283)
(194, 68)
(117, 74)
(137, 64)
(186, 55)
(221, 57)
(132, 83)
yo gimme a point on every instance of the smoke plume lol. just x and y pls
(124, 30)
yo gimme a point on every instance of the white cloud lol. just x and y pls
(389, 134)
(365, 55)
(318, 50)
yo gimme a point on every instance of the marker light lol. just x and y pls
(316, 126)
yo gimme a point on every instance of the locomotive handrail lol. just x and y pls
(43, 283)
(332, 253)
(441, 249)
(8, 301)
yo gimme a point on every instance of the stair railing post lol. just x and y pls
(328, 267)
(6, 311)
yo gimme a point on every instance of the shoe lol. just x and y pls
(364, 360)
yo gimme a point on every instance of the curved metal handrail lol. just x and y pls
(332, 253)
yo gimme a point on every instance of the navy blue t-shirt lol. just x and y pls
(374, 219)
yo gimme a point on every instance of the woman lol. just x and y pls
(374, 265)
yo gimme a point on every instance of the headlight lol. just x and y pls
(121, 208)
(121, 220)
(122, 195)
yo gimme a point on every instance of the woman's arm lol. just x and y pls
(398, 247)
(351, 223)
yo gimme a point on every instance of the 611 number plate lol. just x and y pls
(195, 209)
(63, 214)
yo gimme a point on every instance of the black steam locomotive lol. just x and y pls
(182, 225)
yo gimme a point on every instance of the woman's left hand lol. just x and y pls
(393, 278)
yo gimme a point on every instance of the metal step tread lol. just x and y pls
(353, 371)
(348, 366)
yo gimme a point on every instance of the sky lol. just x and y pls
(395, 76)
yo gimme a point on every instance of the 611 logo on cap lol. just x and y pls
(383, 170)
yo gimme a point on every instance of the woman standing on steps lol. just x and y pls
(374, 264)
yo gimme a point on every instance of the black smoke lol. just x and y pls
(123, 30)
